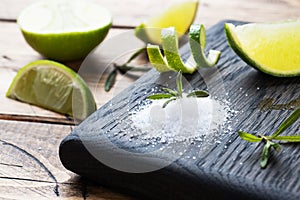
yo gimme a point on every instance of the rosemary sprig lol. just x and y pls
(269, 140)
(123, 69)
(110, 81)
(172, 95)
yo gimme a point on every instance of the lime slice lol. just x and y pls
(157, 59)
(271, 48)
(170, 46)
(172, 59)
(180, 15)
(197, 41)
(64, 29)
(53, 86)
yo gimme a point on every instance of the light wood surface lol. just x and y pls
(31, 169)
(30, 136)
(131, 12)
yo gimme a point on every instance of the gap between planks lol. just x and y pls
(38, 119)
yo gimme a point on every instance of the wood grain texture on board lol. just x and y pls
(228, 169)
(130, 13)
(30, 167)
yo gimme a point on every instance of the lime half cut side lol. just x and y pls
(180, 15)
(272, 48)
(53, 86)
(64, 30)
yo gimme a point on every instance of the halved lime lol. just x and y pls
(180, 15)
(53, 86)
(64, 29)
(272, 48)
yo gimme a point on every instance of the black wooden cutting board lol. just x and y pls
(228, 169)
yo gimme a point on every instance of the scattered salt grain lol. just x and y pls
(185, 119)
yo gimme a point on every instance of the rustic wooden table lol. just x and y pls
(29, 136)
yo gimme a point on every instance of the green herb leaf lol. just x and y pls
(159, 96)
(276, 146)
(125, 68)
(173, 94)
(170, 91)
(136, 54)
(168, 101)
(179, 83)
(287, 123)
(198, 94)
(268, 139)
(288, 138)
(110, 81)
(249, 137)
(265, 155)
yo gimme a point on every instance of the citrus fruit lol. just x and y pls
(157, 59)
(172, 60)
(197, 40)
(53, 86)
(272, 48)
(180, 15)
(64, 30)
(170, 46)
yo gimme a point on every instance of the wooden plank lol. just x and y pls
(213, 11)
(19, 190)
(15, 52)
(30, 167)
(124, 12)
(32, 148)
(220, 166)
(131, 12)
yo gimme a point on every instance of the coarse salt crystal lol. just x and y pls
(182, 119)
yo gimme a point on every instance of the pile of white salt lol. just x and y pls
(184, 119)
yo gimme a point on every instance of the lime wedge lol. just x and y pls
(271, 48)
(180, 15)
(64, 29)
(197, 41)
(53, 86)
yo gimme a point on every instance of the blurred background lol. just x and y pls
(131, 12)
